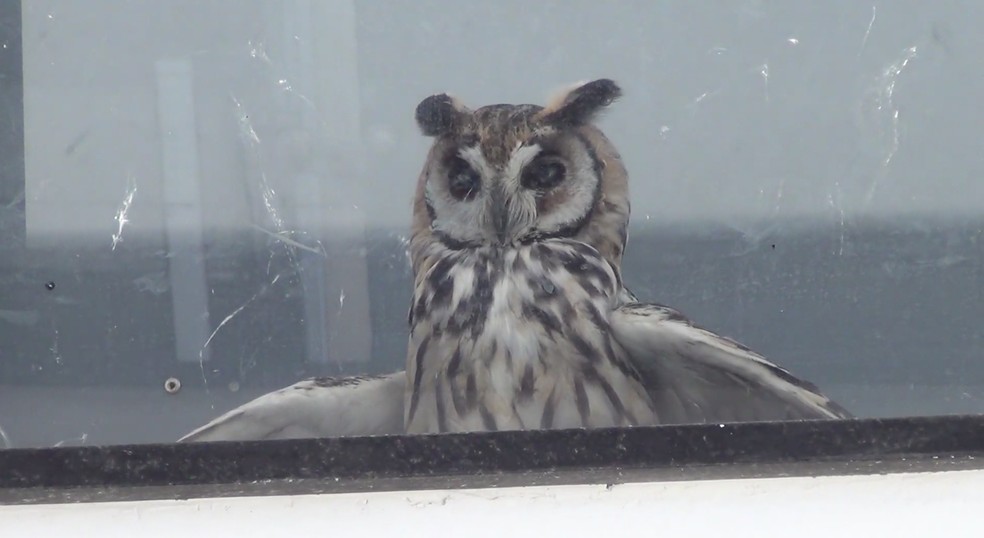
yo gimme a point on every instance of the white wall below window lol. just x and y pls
(897, 505)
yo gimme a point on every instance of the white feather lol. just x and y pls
(350, 407)
(660, 341)
(518, 159)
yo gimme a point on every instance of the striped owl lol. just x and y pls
(520, 319)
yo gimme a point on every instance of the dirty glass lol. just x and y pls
(203, 201)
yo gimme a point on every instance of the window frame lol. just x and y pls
(490, 460)
(478, 460)
(12, 95)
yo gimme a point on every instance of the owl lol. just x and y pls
(519, 316)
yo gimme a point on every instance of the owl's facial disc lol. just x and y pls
(507, 174)
(547, 187)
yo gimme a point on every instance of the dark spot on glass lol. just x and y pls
(172, 385)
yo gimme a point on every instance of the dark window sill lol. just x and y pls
(750, 450)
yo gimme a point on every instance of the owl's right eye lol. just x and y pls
(463, 181)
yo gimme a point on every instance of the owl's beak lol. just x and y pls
(499, 211)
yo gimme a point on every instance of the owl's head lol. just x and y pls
(512, 174)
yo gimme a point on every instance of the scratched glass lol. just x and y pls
(201, 202)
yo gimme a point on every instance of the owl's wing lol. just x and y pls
(317, 407)
(696, 376)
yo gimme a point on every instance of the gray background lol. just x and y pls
(219, 190)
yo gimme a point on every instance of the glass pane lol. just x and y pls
(208, 201)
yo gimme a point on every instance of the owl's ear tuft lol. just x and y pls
(440, 114)
(581, 103)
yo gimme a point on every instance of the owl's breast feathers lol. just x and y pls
(518, 338)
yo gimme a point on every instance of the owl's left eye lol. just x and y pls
(463, 180)
(543, 174)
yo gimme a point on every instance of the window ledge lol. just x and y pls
(486, 460)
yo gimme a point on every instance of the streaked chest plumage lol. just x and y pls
(518, 338)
